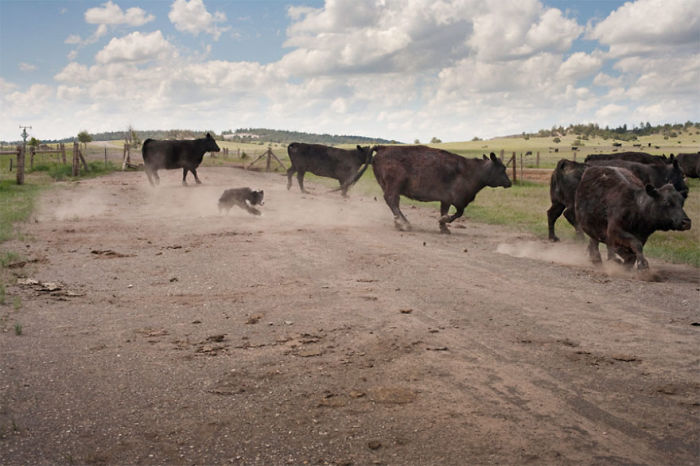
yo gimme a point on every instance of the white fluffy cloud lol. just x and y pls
(192, 17)
(136, 48)
(401, 69)
(111, 14)
(648, 26)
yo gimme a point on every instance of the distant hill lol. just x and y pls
(241, 134)
(286, 137)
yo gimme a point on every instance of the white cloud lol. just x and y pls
(650, 26)
(519, 29)
(611, 114)
(401, 69)
(111, 14)
(580, 65)
(192, 17)
(136, 48)
(33, 101)
(27, 67)
(605, 80)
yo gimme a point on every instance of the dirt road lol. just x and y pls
(156, 331)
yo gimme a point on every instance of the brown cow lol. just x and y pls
(426, 174)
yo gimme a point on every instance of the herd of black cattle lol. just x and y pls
(617, 199)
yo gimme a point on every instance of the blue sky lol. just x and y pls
(405, 70)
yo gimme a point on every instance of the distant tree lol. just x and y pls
(557, 140)
(34, 142)
(417, 141)
(435, 140)
(84, 137)
(476, 138)
(132, 138)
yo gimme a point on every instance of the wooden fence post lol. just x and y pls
(522, 172)
(515, 174)
(75, 171)
(127, 156)
(63, 153)
(20, 164)
(502, 151)
(538, 159)
(32, 152)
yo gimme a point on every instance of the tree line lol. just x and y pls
(286, 137)
(241, 135)
(622, 133)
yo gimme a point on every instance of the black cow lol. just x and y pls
(690, 164)
(639, 157)
(427, 174)
(562, 191)
(656, 174)
(170, 154)
(340, 164)
(567, 174)
(614, 207)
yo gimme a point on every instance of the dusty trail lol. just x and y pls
(317, 333)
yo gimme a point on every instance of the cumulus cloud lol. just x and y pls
(136, 48)
(648, 26)
(192, 17)
(400, 69)
(580, 65)
(111, 14)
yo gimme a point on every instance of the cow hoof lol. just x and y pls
(553, 239)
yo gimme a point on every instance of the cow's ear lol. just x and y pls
(671, 158)
(208, 135)
(652, 191)
(493, 156)
(359, 148)
(484, 156)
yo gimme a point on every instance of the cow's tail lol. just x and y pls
(361, 171)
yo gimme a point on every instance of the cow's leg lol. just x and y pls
(619, 238)
(593, 251)
(150, 176)
(444, 208)
(570, 215)
(184, 175)
(344, 186)
(450, 218)
(156, 177)
(290, 173)
(300, 179)
(196, 178)
(552, 215)
(400, 221)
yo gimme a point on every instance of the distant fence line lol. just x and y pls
(20, 153)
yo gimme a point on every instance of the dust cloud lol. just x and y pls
(559, 253)
(194, 208)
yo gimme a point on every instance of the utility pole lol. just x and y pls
(24, 133)
(21, 155)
